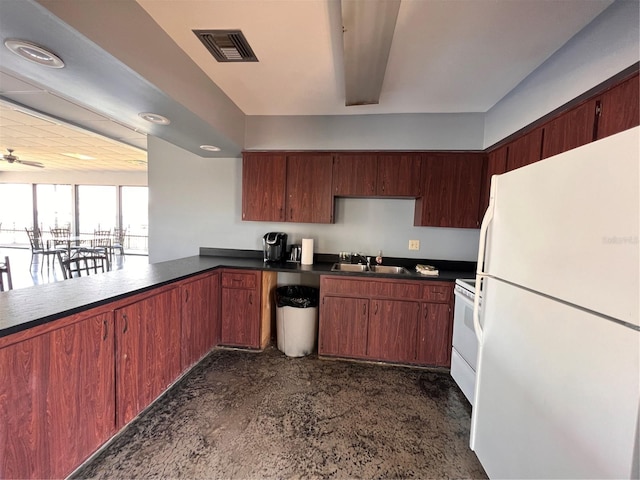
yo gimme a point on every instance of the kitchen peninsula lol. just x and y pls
(83, 357)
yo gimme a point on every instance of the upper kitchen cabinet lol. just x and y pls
(355, 174)
(451, 184)
(525, 150)
(399, 174)
(619, 108)
(309, 196)
(495, 164)
(376, 174)
(263, 186)
(570, 130)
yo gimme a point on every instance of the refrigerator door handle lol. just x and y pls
(480, 273)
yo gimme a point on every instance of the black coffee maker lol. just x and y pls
(274, 245)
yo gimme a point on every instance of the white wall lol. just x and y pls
(136, 179)
(605, 47)
(196, 202)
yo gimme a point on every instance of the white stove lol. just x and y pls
(464, 354)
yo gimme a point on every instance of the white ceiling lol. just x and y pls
(128, 56)
(446, 55)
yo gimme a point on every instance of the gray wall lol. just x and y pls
(605, 47)
(455, 131)
(197, 202)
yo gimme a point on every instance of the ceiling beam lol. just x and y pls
(368, 28)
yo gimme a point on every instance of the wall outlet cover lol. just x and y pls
(414, 244)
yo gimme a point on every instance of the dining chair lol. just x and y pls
(84, 262)
(100, 245)
(117, 241)
(38, 247)
(61, 236)
(5, 270)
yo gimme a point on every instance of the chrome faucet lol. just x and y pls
(367, 260)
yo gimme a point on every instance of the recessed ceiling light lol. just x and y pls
(34, 53)
(210, 148)
(154, 118)
(79, 156)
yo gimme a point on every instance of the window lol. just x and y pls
(135, 216)
(55, 206)
(96, 208)
(16, 212)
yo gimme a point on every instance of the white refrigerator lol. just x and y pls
(557, 393)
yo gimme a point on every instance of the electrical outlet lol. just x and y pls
(414, 244)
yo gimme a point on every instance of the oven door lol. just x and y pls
(465, 344)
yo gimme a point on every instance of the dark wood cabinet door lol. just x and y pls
(57, 399)
(200, 327)
(393, 329)
(496, 164)
(619, 108)
(263, 186)
(148, 351)
(399, 175)
(451, 185)
(354, 175)
(240, 315)
(343, 327)
(309, 196)
(435, 330)
(525, 150)
(570, 130)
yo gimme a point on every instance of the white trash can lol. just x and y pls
(296, 326)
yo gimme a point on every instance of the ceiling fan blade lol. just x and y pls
(31, 164)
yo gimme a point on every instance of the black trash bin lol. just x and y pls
(297, 319)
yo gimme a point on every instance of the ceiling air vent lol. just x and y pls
(227, 45)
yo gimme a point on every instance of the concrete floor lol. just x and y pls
(263, 415)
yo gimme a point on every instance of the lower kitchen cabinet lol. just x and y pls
(386, 319)
(343, 327)
(246, 308)
(200, 314)
(57, 398)
(393, 328)
(435, 330)
(147, 351)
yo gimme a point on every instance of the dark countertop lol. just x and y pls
(25, 308)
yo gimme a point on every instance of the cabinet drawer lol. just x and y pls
(395, 289)
(344, 286)
(239, 280)
(437, 293)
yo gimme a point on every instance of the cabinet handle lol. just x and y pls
(126, 323)
(250, 299)
(186, 296)
(105, 325)
(364, 309)
(375, 310)
(425, 310)
(291, 213)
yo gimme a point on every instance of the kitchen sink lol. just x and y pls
(385, 269)
(348, 267)
(388, 269)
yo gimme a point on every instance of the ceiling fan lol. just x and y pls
(11, 158)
